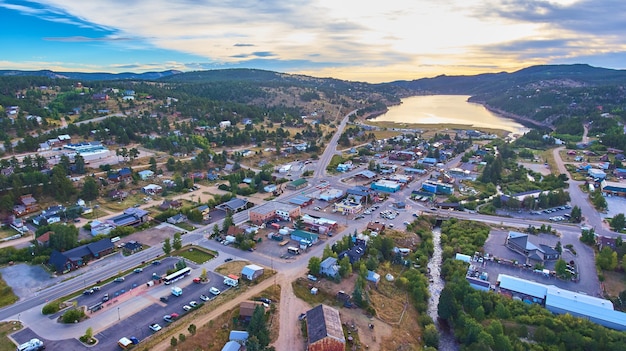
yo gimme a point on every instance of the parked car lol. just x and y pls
(193, 303)
(164, 299)
(155, 327)
(265, 300)
(138, 270)
(228, 259)
(187, 308)
(105, 298)
(214, 290)
(88, 292)
(168, 318)
(204, 297)
(311, 277)
(119, 279)
(156, 263)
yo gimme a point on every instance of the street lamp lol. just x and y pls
(118, 314)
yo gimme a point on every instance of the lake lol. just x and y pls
(448, 109)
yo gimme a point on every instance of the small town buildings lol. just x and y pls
(131, 216)
(386, 186)
(331, 194)
(224, 124)
(233, 205)
(519, 243)
(70, 260)
(145, 174)
(152, 189)
(179, 218)
(101, 228)
(319, 224)
(297, 184)
(273, 209)
(324, 329)
(246, 309)
(596, 174)
(205, 210)
(240, 336)
(270, 188)
(329, 267)
(26, 204)
(252, 271)
(355, 252)
(301, 200)
(302, 237)
(613, 188)
(232, 346)
(123, 175)
(376, 227)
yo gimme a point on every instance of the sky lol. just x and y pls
(358, 40)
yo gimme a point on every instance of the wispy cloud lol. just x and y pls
(330, 35)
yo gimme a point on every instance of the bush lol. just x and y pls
(71, 316)
(50, 308)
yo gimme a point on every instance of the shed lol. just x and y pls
(252, 271)
(464, 258)
(238, 335)
(324, 329)
(373, 277)
(232, 346)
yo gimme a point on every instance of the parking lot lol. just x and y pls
(137, 305)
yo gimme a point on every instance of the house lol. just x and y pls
(26, 204)
(167, 204)
(44, 239)
(373, 277)
(117, 194)
(324, 329)
(355, 252)
(179, 218)
(101, 228)
(152, 189)
(246, 309)
(145, 174)
(329, 267)
(131, 216)
(205, 210)
(376, 227)
(252, 271)
(270, 188)
(233, 205)
(301, 200)
(596, 174)
(519, 243)
(75, 258)
(224, 124)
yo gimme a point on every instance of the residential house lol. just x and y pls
(232, 346)
(355, 252)
(26, 204)
(145, 174)
(117, 194)
(152, 189)
(44, 239)
(131, 216)
(324, 329)
(205, 210)
(246, 309)
(168, 204)
(179, 218)
(329, 267)
(240, 336)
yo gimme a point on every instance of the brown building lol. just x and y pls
(27, 204)
(246, 309)
(324, 328)
(274, 209)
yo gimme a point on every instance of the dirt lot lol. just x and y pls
(153, 236)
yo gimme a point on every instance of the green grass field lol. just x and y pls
(7, 297)
(194, 254)
(7, 328)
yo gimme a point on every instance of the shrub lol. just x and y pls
(72, 315)
(50, 308)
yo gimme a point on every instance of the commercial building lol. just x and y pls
(613, 188)
(519, 243)
(75, 258)
(273, 209)
(297, 184)
(319, 224)
(561, 301)
(386, 186)
(233, 205)
(324, 329)
(131, 216)
(304, 237)
(89, 151)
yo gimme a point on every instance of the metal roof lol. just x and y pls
(522, 286)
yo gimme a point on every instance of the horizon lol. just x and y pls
(362, 41)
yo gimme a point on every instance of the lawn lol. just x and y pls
(613, 282)
(6, 232)
(7, 297)
(186, 226)
(302, 290)
(195, 254)
(7, 328)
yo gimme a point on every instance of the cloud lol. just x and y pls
(243, 45)
(76, 39)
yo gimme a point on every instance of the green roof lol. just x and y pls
(305, 235)
(298, 182)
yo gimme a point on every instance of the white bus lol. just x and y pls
(177, 275)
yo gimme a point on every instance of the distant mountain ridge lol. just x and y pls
(573, 75)
(91, 76)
